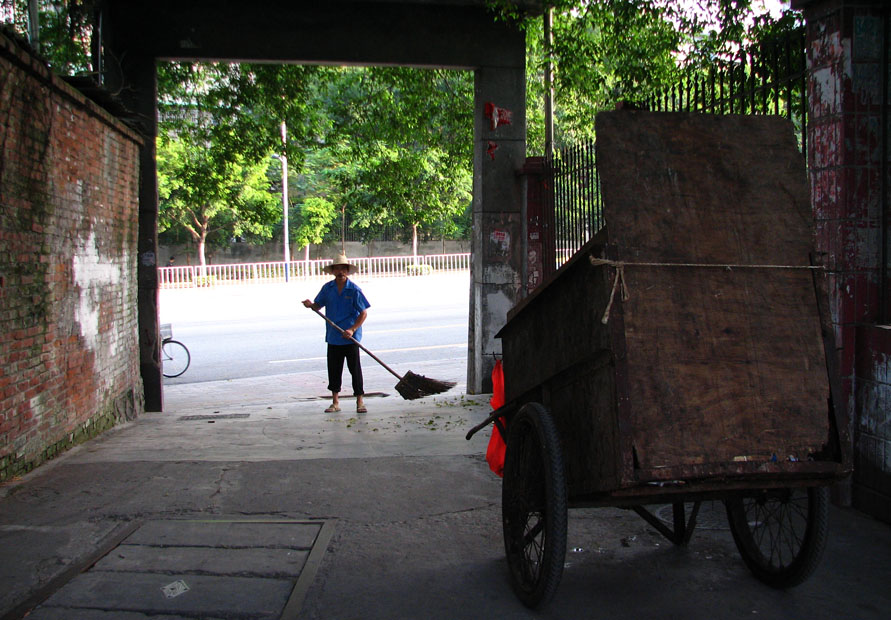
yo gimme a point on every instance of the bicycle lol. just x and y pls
(175, 357)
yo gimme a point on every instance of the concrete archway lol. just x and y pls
(460, 34)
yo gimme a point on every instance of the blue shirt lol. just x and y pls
(343, 308)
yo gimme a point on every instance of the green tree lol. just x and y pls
(65, 31)
(404, 140)
(316, 216)
(218, 126)
(413, 188)
(608, 51)
(209, 197)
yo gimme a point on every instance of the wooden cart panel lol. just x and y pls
(703, 370)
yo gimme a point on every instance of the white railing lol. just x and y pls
(264, 273)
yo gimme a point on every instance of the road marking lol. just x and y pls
(435, 346)
(461, 345)
(302, 359)
(413, 329)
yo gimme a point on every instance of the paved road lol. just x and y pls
(262, 330)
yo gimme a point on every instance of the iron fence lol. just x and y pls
(189, 276)
(767, 78)
(572, 200)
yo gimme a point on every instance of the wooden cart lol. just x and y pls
(680, 356)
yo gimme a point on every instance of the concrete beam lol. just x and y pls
(461, 35)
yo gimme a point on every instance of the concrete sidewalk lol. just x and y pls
(243, 500)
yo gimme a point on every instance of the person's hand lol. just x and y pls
(307, 303)
(348, 333)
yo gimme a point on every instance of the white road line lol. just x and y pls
(368, 331)
(461, 345)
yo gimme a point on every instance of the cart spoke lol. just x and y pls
(780, 533)
(534, 531)
(777, 524)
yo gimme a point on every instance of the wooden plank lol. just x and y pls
(582, 402)
(556, 328)
(703, 188)
(723, 363)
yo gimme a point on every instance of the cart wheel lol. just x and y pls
(781, 533)
(533, 505)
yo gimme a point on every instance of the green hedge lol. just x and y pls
(419, 270)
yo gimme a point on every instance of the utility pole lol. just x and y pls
(549, 83)
(343, 228)
(34, 24)
(284, 159)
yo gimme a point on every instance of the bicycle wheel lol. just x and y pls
(781, 533)
(533, 506)
(175, 358)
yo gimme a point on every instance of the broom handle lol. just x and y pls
(372, 355)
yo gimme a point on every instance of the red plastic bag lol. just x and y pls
(497, 446)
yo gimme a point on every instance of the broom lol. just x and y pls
(410, 386)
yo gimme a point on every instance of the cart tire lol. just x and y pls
(781, 533)
(533, 505)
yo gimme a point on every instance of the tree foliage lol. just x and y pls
(390, 146)
(213, 199)
(218, 126)
(404, 141)
(65, 32)
(607, 51)
(316, 215)
(412, 188)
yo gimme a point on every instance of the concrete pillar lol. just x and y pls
(497, 244)
(848, 149)
(142, 79)
(540, 246)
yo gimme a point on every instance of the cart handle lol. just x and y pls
(501, 411)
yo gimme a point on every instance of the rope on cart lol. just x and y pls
(619, 278)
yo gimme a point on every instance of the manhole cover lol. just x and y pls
(202, 569)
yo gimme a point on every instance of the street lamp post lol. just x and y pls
(284, 159)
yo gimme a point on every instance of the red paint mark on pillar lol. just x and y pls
(497, 116)
(492, 148)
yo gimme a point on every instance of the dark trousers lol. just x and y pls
(336, 354)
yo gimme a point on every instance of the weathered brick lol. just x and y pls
(60, 205)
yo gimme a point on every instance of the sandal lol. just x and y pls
(362, 409)
(332, 409)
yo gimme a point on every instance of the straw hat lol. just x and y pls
(341, 259)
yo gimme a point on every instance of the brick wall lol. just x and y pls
(69, 359)
(848, 98)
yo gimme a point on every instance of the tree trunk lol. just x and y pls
(202, 263)
(202, 247)
(414, 243)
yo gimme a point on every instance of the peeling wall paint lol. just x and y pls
(845, 49)
(91, 273)
(497, 305)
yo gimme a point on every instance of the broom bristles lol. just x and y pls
(413, 386)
